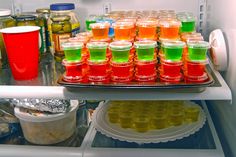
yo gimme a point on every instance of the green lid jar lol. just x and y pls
(5, 21)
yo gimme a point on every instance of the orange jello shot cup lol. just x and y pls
(123, 30)
(147, 29)
(100, 30)
(169, 29)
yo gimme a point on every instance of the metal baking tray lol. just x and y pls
(165, 87)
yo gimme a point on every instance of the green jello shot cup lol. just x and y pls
(188, 22)
(97, 51)
(120, 51)
(197, 50)
(145, 50)
(173, 50)
(73, 51)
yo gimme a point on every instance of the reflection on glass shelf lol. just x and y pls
(49, 72)
(203, 139)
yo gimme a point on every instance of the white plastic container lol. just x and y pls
(43, 128)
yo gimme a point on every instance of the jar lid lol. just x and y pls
(62, 6)
(5, 12)
(171, 44)
(143, 44)
(43, 10)
(120, 45)
(26, 18)
(97, 45)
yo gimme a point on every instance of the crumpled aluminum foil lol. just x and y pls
(45, 105)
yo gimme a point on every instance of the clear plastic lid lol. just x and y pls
(197, 78)
(97, 45)
(185, 18)
(173, 44)
(147, 23)
(198, 44)
(169, 23)
(76, 63)
(197, 62)
(99, 25)
(120, 45)
(123, 24)
(145, 44)
(72, 45)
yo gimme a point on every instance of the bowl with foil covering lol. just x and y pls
(45, 128)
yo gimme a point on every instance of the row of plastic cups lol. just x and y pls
(146, 29)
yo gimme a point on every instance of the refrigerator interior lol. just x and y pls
(217, 17)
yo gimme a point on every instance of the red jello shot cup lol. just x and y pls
(98, 71)
(171, 80)
(170, 68)
(145, 68)
(122, 72)
(196, 79)
(74, 71)
(195, 68)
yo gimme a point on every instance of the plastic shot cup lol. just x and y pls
(191, 113)
(123, 30)
(147, 29)
(22, 47)
(170, 68)
(159, 121)
(173, 50)
(141, 123)
(113, 115)
(97, 51)
(195, 68)
(126, 119)
(121, 72)
(91, 19)
(74, 71)
(169, 29)
(188, 22)
(120, 51)
(100, 30)
(176, 117)
(197, 50)
(145, 50)
(73, 51)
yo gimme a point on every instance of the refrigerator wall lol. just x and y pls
(220, 14)
(86, 7)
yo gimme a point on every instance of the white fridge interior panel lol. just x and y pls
(86, 7)
(6, 4)
(220, 14)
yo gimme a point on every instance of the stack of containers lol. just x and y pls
(171, 48)
(73, 62)
(145, 61)
(195, 53)
(122, 57)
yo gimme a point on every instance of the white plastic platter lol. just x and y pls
(102, 124)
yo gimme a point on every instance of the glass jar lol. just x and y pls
(5, 21)
(43, 16)
(61, 32)
(26, 20)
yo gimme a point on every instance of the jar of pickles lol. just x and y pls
(26, 20)
(5, 21)
(61, 32)
(43, 15)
